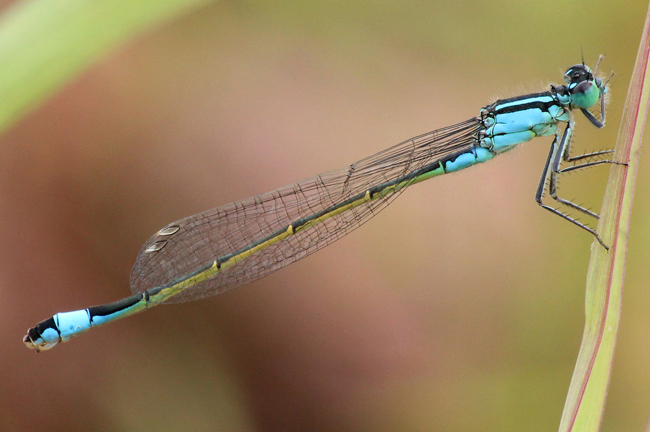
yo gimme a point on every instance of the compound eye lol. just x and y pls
(583, 87)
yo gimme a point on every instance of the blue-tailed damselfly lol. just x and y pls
(211, 252)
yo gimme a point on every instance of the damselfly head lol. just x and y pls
(577, 74)
(585, 90)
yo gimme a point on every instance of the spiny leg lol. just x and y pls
(554, 174)
(550, 173)
(559, 156)
(566, 157)
(566, 149)
(590, 164)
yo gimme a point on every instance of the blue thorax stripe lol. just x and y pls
(543, 101)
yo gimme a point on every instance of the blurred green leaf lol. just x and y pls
(44, 44)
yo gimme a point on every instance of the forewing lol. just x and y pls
(186, 245)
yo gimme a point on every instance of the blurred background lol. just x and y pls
(459, 308)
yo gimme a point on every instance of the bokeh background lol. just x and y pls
(459, 308)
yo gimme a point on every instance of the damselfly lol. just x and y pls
(214, 251)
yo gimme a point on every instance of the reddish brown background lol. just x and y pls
(458, 308)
